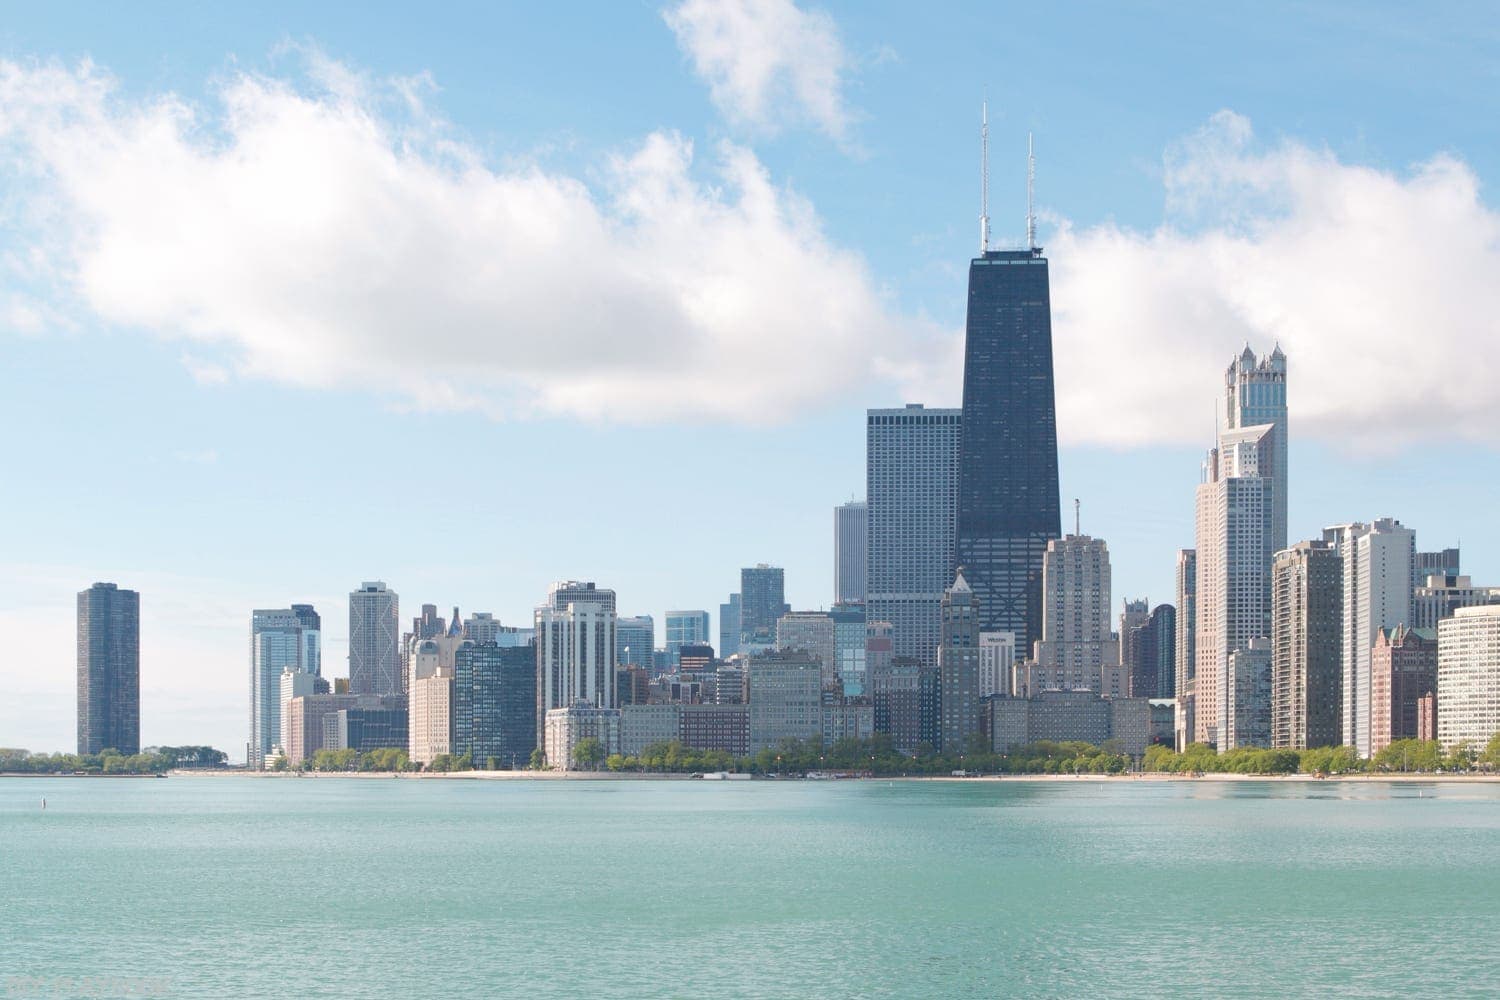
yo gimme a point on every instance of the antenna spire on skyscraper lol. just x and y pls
(984, 177)
(1030, 187)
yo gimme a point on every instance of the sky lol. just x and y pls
(474, 298)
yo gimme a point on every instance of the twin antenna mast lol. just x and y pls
(984, 184)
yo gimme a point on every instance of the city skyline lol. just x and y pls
(199, 582)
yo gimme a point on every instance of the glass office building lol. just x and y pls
(1007, 483)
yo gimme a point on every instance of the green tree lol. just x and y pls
(538, 759)
(588, 752)
(1491, 755)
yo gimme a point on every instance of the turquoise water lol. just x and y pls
(227, 887)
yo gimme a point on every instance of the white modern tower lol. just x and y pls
(1235, 545)
(575, 650)
(1377, 560)
(375, 640)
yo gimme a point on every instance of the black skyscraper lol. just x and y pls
(109, 669)
(1007, 491)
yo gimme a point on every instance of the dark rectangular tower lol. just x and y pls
(1007, 492)
(109, 669)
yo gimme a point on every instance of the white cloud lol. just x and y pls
(767, 62)
(339, 235)
(1383, 290)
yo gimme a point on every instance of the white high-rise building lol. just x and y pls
(1468, 682)
(1255, 396)
(375, 640)
(575, 650)
(851, 547)
(911, 482)
(1377, 561)
(1235, 545)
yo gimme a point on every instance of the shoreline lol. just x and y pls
(1148, 777)
(1155, 777)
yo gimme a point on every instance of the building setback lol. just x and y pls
(1307, 611)
(911, 479)
(109, 669)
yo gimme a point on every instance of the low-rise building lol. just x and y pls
(643, 725)
(724, 728)
(1060, 716)
(565, 728)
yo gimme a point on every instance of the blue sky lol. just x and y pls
(297, 296)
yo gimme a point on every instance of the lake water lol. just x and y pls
(227, 887)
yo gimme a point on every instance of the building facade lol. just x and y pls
(281, 639)
(851, 546)
(1403, 671)
(1008, 493)
(811, 632)
(1377, 564)
(762, 602)
(109, 669)
(729, 627)
(911, 479)
(494, 704)
(1187, 649)
(997, 660)
(1248, 684)
(1255, 396)
(958, 667)
(850, 642)
(1151, 662)
(575, 650)
(686, 628)
(1235, 513)
(375, 640)
(1307, 613)
(1076, 642)
(1468, 683)
(635, 641)
(785, 699)
(567, 727)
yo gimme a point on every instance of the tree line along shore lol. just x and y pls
(875, 757)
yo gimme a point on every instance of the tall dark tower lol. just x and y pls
(109, 669)
(1007, 480)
